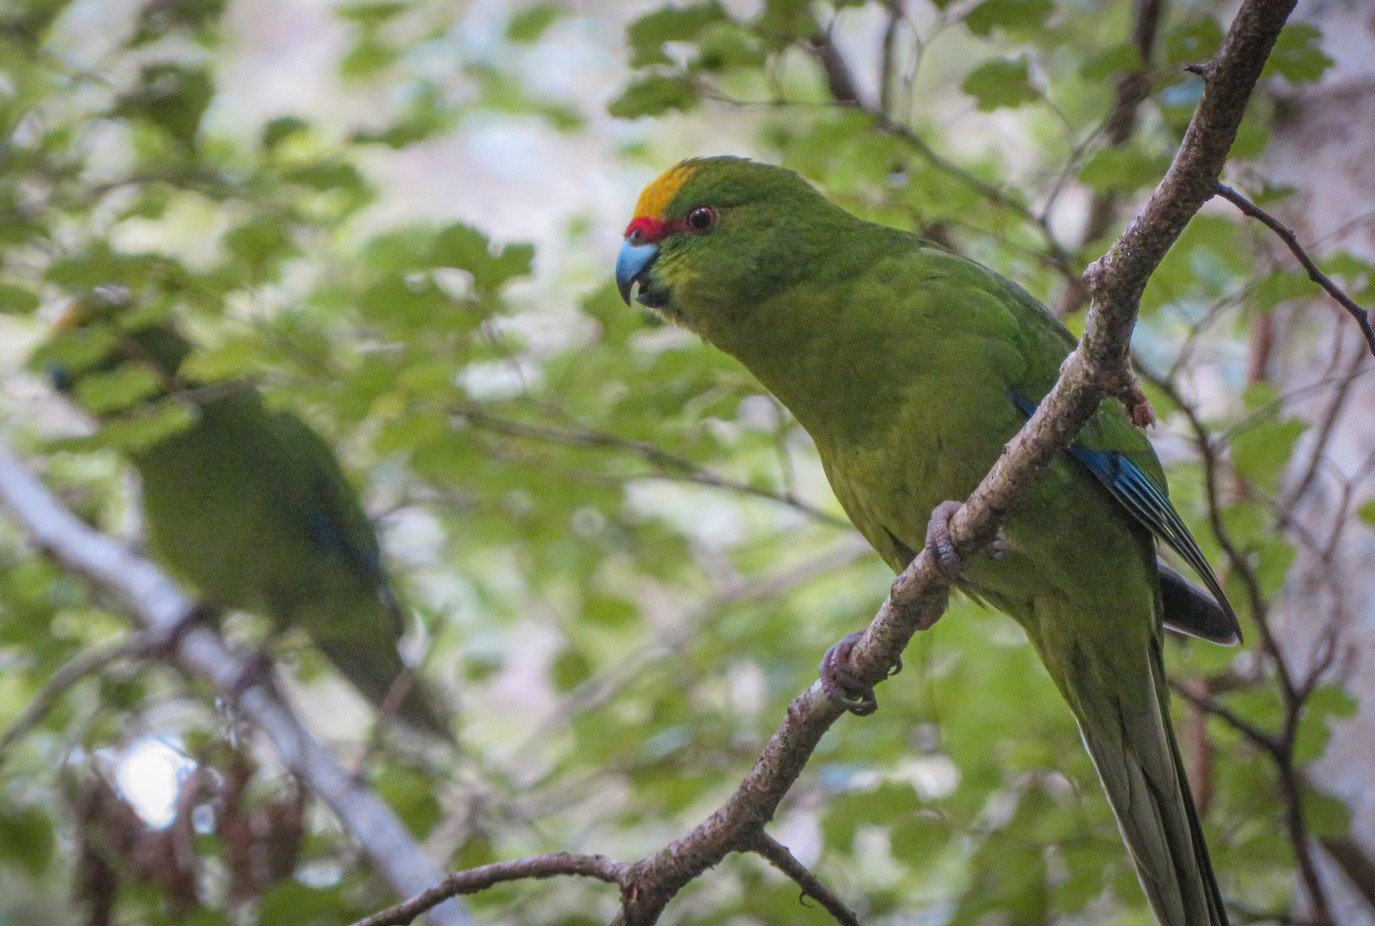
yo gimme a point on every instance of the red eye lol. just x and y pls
(702, 219)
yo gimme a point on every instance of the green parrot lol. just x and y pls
(249, 505)
(911, 367)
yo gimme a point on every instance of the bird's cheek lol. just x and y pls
(654, 291)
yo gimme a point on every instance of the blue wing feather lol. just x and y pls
(1147, 502)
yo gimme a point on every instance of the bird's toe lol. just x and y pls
(841, 684)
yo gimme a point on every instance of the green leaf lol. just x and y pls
(464, 247)
(1298, 55)
(530, 24)
(328, 176)
(259, 241)
(1123, 169)
(887, 803)
(1119, 59)
(371, 12)
(26, 835)
(608, 611)
(1325, 815)
(234, 357)
(569, 669)
(1012, 15)
(1367, 512)
(407, 792)
(290, 901)
(459, 245)
(724, 46)
(135, 432)
(171, 96)
(648, 34)
(76, 350)
(1283, 286)
(1000, 82)
(159, 20)
(1260, 452)
(280, 129)
(16, 299)
(368, 58)
(1325, 704)
(654, 96)
(1193, 41)
(118, 389)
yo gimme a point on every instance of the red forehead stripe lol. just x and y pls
(653, 230)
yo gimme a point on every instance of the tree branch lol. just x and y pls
(484, 876)
(1267, 742)
(840, 83)
(160, 607)
(781, 858)
(1291, 241)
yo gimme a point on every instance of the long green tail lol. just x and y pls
(378, 673)
(1126, 726)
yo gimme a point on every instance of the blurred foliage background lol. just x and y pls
(399, 219)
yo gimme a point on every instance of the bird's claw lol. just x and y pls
(842, 685)
(940, 544)
(1139, 408)
(942, 547)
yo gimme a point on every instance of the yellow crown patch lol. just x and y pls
(656, 197)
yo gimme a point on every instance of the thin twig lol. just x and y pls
(1058, 257)
(61, 681)
(1268, 742)
(841, 86)
(673, 467)
(1293, 695)
(557, 864)
(1326, 428)
(1246, 915)
(1291, 241)
(779, 856)
(888, 56)
(598, 689)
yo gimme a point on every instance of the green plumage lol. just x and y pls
(251, 507)
(911, 368)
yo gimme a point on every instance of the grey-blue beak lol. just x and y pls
(632, 263)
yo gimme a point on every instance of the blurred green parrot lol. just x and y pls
(246, 503)
(911, 367)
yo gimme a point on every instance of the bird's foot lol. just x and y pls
(165, 642)
(842, 685)
(1139, 407)
(942, 547)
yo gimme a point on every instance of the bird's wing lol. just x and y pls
(313, 484)
(1117, 452)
